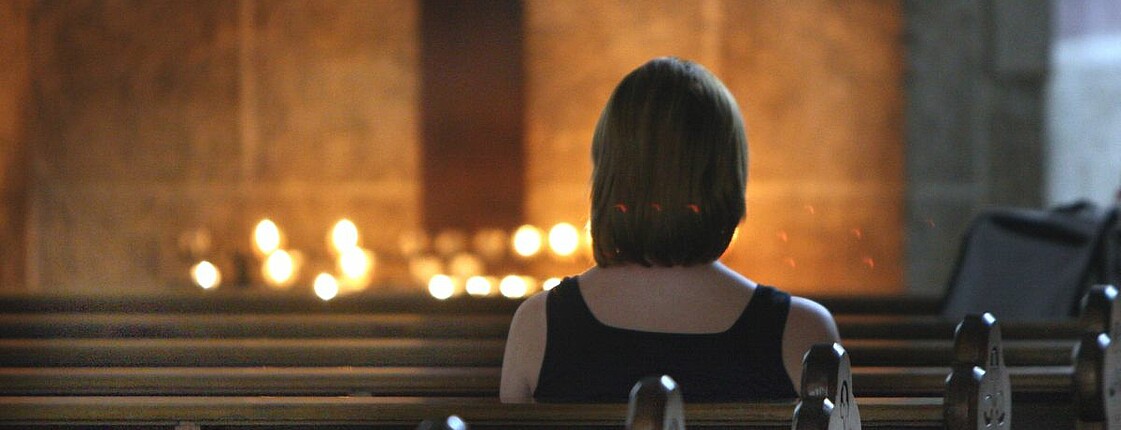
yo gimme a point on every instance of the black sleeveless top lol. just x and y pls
(587, 361)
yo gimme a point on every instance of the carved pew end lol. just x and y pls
(978, 390)
(656, 404)
(451, 422)
(827, 401)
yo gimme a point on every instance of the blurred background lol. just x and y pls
(397, 146)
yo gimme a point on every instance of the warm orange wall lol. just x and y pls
(161, 118)
(820, 85)
(308, 111)
(14, 16)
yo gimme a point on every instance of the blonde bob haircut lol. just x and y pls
(670, 168)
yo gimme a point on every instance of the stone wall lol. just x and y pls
(974, 122)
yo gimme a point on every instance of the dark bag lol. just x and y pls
(1022, 264)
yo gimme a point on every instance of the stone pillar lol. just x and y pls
(974, 122)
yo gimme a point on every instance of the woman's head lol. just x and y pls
(670, 168)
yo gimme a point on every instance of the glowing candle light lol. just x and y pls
(344, 236)
(490, 243)
(424, 267)
(550, 283)
(441, 287)
(527, 241)
(326, 287)
(412, 242)
(280, 268)
(465, 265)
(266, 237)
(478, 286)
(206, 275)
(563, 239)
(513, 286)
(356, 266)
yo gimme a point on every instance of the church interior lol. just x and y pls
(324, 213)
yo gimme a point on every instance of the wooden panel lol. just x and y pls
(472, 106)
(14, 78)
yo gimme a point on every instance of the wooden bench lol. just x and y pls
(419, 381)
(271, 302)
(421, 325)
(416, 352)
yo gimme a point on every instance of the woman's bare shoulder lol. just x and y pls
(525, 349)
(807, 323)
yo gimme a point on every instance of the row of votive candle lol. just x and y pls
(511, 286)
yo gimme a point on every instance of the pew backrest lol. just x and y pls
(827, 401)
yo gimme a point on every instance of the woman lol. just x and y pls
(668, 190)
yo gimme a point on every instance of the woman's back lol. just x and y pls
(587, 360)
(722, 337)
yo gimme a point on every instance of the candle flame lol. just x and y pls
(344, 236)
(266, 236)
(206, 275)
(563, 239)
(513, 286)
(550, 283)
(478, 286)
(280, 268)
(326, 287)
(527, 241)
(441, 287)
(356, 266)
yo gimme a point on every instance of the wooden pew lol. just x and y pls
(1097, 370)
(273, 302)
(403, 412)
(421, 325)
(416, 352)
(419, 381)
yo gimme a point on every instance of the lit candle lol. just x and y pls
(356, 265)
(206, 275)
(280, 268)
(326, 287)
(527, 241)
(550, 283)
(266, 237)
(563, 239)
(344, 236)
(513, 286)
(479, 286)
(441, 287)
